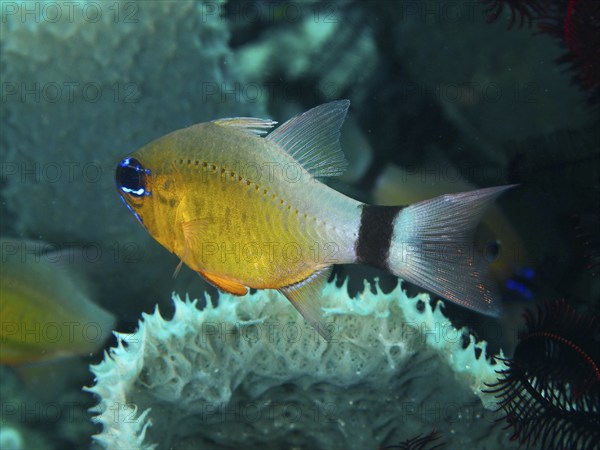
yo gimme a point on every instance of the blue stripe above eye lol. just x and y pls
(125, 162)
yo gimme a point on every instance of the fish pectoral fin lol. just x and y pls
(192, 234)
(251, 125)
(193, 230)
(306, 296)
(230, 286)
(177, 269)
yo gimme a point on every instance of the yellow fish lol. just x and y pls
(45, 311)
(245, 210)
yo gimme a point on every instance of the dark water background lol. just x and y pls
(86, 83)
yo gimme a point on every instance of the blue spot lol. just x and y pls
(125, 162)
(526, 272)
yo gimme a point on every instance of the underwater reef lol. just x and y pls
(74, 92)
(426, 78)
(253, 374)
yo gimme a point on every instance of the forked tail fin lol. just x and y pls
(432, 247)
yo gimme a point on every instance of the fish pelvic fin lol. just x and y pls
(430, 244)
(224, 284)
(306, 296)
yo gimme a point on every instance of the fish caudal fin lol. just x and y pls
(432, 246)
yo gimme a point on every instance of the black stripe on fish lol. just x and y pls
(375, 234)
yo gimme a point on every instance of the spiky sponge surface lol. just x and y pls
(251, 371)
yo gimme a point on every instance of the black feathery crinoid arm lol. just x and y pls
(550, 393)
(420, 442)
(573, 22)
(524, 10)
(576, 24)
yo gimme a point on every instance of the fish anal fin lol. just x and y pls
(230, 286)
(251, 125)
(306, 296)
(313, 139)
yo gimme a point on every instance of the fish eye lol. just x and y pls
(131, 177)
(492, 251)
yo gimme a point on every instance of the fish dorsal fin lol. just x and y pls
(313, 138)
(233, 287)
(251, 125)
(306, 296)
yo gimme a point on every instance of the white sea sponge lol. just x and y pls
(10, 438)
(251, 371)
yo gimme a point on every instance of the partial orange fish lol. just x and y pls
(45, 311)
